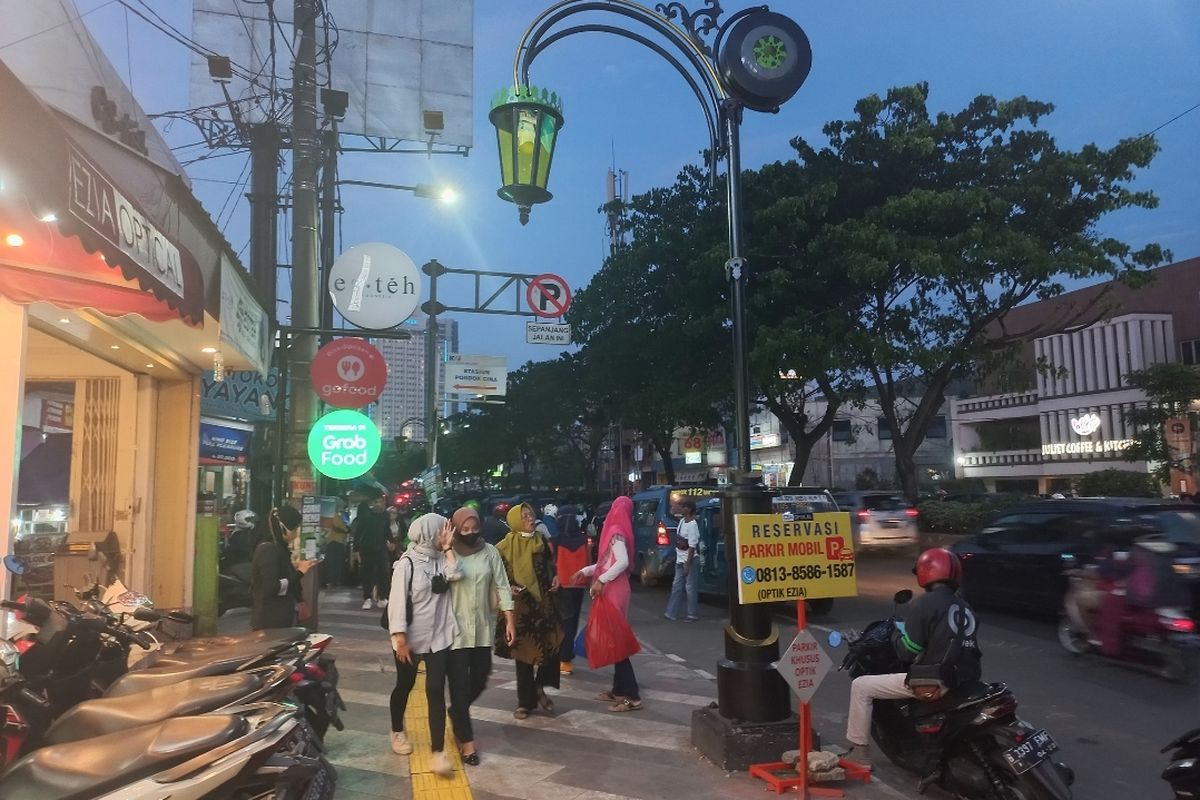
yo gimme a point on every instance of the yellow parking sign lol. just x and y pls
(782, 558)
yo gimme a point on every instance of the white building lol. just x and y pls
(401, 408)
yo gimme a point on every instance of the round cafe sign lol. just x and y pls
(343, 444)
(349, 373)
(374, 286)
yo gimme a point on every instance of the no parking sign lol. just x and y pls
(548, 295)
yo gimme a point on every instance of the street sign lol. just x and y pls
(486, 375)
(548, 295)
(374, 286)
(547, 333)
(804, 665)
(349, 373)
(803, 559)
(343, 444)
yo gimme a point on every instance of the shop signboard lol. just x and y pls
(241, 395)
(799, 559)
(470, 374)
(223, 446)
(343, 444)
(1179, 447)
(349, 373)
(374, 286)
(244, 324)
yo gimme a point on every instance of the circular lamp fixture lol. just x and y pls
(765, 60)
(527, 121)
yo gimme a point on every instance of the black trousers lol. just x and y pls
(435, 693)
(624, 681)
(376, 574)
(467, 670)
(529, 681)
(570, 603)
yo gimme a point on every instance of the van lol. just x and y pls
(656, 515)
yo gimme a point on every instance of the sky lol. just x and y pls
(1112, 68)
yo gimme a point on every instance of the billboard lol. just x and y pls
(397, 59)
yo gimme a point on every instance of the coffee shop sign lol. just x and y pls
(1086, 448)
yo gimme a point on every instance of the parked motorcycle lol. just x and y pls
(1183, 773)
(969, 742)
(1159, 640)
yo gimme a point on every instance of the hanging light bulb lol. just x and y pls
(218, 367)
(527, 134)
(264, 404)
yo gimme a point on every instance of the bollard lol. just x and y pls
(205, 575)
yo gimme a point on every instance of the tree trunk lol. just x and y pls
(664, 452)
(906, 467)
(796, 423)
(804, 448)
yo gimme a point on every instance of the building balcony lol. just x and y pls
(1000, 458)
(996, 402)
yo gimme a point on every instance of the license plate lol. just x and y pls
(891, 523)
(1031, 752)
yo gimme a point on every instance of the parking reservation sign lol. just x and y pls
(781, 559)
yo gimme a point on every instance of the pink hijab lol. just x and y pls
(619, 522)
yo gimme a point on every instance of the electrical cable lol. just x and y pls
(240, 182)
(56, 27)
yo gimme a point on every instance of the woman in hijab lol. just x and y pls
(611, 581)
(274, 582)
(570, 557)
(527, 558)
(482, 588)
(421, 622)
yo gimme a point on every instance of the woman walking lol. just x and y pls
(482, 588)
(611, 582)
(535, 649)
(570, 557)
(421, 622)
(274, 582)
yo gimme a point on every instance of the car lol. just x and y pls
(1016, 560)
(656, 516)
(880, 520)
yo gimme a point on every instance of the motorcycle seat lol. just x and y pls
(262, 638)
(964, 695)
(93, 767)
(93, 718)
(141, 680)
(243, 650)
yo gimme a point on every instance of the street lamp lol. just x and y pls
(755, 59)
(445, 194)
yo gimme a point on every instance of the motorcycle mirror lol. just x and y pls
(903, 596)
(835, 638)
(14, 565)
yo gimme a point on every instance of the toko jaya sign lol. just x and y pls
(343, 444)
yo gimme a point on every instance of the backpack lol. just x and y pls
(408, 604)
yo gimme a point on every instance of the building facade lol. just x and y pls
(401, 408)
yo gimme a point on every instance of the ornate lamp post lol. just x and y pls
(756, 59)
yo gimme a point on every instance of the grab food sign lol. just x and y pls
(349, 373)
(343, 444)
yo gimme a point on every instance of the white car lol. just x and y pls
(880, 520)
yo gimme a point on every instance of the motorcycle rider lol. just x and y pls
(938, 640)
(244, 538)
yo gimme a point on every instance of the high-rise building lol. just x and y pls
(401, 408)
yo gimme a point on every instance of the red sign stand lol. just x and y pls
(781, 776)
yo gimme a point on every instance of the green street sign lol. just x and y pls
(343, 444)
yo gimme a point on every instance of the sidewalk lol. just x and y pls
(580, 752)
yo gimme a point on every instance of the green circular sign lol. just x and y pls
(770, 52)
(343, 444)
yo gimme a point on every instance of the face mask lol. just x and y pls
(469, 539)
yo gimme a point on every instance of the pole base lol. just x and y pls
(735, 745)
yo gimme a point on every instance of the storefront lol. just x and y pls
(113, 285)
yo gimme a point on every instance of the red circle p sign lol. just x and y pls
(349, 373)
(548, 295)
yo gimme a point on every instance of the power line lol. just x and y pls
(1175, 118)
(240, 182)
(56, 27)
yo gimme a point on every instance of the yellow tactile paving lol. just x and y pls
(426, 785)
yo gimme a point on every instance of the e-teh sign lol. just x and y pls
(349, 373)
(343, 444)
(798, 559)
(375, 286)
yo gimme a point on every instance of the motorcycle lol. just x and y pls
(1183, 773)
(969, 742)
(1156, 639)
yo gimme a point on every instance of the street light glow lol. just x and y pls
(449, 196)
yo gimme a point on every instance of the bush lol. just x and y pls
(947, 516)
(1118, 483)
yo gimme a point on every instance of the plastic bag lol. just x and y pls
(609, 638)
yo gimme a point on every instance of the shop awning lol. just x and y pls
(91, 242)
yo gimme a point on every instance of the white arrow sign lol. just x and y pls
(486, 375)
(804, 665)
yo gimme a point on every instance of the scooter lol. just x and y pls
(969, 742)
(1183, 773)
(1158, 640)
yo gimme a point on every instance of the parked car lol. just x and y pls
(1016, 559)
(656, 516)
(880, 520)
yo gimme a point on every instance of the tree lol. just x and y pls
(1172, 391)
(1118, 483)
(399, 463)
(941, 225)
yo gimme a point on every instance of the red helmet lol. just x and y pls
(938, 565)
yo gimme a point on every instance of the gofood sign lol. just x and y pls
(343, 444)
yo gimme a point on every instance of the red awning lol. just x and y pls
(107, 253)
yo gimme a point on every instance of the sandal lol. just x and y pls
(471, 759)
(521, 713)
(626, 705)
(608, 697)
(545, 702)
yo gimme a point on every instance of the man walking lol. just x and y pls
(687, 565)
(371, 535)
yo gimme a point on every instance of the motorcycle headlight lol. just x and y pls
(10, 659)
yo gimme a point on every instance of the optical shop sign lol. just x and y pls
(793, 559)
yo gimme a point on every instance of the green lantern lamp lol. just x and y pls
(527, 121)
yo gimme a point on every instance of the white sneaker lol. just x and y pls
(367, 604)
(400, 745)
(440, 765)
(383, 603)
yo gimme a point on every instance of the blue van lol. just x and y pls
(656, 515)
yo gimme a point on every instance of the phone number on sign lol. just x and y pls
(801, 572)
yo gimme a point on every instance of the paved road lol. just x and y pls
(1109, 721)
